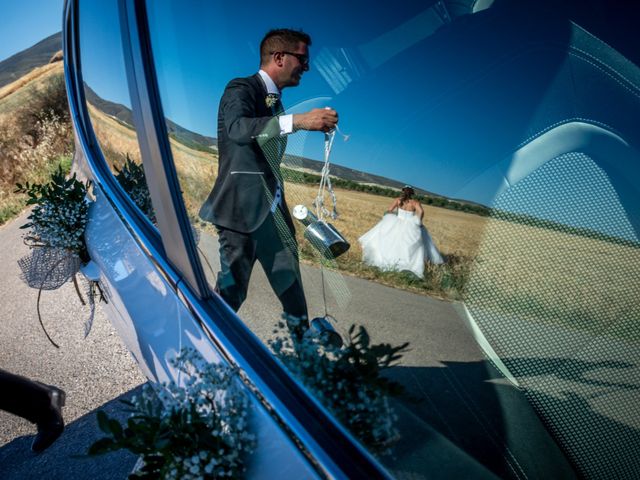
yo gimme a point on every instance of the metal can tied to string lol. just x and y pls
(321, 234)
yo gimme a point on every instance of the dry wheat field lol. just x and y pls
(557, 277)
(457, 234)
(454, 232)
(20, 91)
(543, 274)
(35, 133)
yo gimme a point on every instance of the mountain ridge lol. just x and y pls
(23, 62)
(42, 52)
(124, 115)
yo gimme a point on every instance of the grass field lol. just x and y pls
(511, 268)
(34, 137)
(559, 278)
(457, 234)
(16, 94)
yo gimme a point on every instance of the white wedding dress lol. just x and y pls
(399, 242)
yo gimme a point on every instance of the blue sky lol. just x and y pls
(197, 52)
(26, 22)
(371, 68)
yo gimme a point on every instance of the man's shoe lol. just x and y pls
(297, 326)
(53, 425)
(321, 330)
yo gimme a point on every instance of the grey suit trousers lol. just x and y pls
(275, 247)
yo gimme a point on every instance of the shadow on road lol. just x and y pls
(17, 462)
(466, 412)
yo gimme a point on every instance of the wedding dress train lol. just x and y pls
(399, 242)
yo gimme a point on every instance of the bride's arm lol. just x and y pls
(419, 209)
(393, 206)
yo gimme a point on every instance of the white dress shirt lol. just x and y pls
(286, 121)
(286, 127)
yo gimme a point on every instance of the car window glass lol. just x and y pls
(107, 98)
(489, 201)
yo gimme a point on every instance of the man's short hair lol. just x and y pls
(279, 40)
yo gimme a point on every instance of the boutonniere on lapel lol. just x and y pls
(271, 99)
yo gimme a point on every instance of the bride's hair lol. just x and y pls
(407, 193)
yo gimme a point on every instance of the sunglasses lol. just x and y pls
(302, 58)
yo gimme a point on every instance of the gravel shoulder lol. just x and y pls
(95, 372)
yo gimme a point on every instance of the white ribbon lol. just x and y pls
(325, 182)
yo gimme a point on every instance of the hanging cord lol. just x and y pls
(94, 290)
(321, 210)
(42, 284)
(325, 180)
(324, 295)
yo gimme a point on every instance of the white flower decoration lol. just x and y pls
(271, 99)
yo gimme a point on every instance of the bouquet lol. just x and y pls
(198, 429)
(56, 230)
(57, 223)
(348, 381)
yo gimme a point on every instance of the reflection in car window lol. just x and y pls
(487, 223)
(107, 97)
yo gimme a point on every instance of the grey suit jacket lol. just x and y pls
(250, 150)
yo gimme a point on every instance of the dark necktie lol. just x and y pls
(274, 103)
(279, 107)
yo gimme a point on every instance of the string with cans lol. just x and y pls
(325, 179)
(321, 326)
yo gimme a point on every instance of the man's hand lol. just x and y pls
(318, 119)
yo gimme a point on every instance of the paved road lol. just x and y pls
(460, 403)
(390, 315)
(456, 406)
(95, 372)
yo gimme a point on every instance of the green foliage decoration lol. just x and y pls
(60, 213)
(132, 179)
(348, 381)
(199, 429)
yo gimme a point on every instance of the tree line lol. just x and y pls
(296, 176)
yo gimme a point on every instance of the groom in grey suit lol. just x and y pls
(247, 204)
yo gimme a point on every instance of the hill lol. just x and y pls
(345, 173)
(32, 62)
(347, 177)
(124, 115)
(25, 61)
(35, 132)
(195, 140)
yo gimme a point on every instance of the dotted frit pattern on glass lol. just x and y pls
(556, 292)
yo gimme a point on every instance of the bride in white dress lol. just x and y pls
(400, 242)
